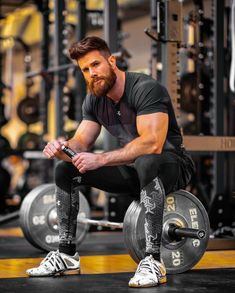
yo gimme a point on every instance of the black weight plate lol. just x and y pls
(38, 218)
(181, 208)
(131, 235)
(28, 110)
(24, 211)
(29, 141)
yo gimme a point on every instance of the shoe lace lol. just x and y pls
(51, 260)
(148, 265)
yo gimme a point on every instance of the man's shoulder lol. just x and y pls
(138, 79)
(141, 85)
(90, 98)
(89, 101)
(131, 75)
(93, 102)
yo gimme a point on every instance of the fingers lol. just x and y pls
(82, 169)
(86, 161)
(65, 143)
(52, 149)
(79, 162)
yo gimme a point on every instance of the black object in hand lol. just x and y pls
(69, 152)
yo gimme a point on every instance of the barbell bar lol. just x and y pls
(173, 231)
(102, 223)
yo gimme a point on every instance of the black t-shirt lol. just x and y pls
(142, 95)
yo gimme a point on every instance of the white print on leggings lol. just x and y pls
(157, 184)
(151, 244)
(148, 201)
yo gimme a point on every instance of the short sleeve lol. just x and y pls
(88, 112)
(151, 97)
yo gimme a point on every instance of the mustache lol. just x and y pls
(92, 82)
(97, 79)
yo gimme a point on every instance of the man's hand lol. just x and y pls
(53, 149)
(87, 161)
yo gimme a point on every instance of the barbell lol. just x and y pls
(185, 229)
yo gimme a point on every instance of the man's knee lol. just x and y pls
(147, 167)
(62, 173)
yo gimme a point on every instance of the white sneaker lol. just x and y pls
(56, 263)
(149, 273)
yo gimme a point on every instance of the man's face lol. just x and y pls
(98, 73)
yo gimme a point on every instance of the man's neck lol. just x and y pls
(117, 90)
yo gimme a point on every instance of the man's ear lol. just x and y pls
(112, 61)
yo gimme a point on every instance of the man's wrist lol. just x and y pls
(103, 159)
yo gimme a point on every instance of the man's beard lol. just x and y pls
(101, 89)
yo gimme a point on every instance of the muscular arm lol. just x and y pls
(82, 141)
(152, 129)
(85, 136)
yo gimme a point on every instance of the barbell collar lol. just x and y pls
(102, 223)
(176, 232)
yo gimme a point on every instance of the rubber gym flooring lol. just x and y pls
(105, 267)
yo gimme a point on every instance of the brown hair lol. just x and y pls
(86, 45)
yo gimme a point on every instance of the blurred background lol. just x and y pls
(187, 45)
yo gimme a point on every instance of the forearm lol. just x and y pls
(131, 151)
(82, 141)
(77, 146)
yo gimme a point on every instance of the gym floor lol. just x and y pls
(106, 267)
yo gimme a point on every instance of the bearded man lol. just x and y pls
(149, 163)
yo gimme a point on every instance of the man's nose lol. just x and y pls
(92, 72)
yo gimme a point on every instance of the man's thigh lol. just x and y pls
(169, 171)
(115, 179)
(165, 166)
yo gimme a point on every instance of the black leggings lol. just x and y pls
(150, 178)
